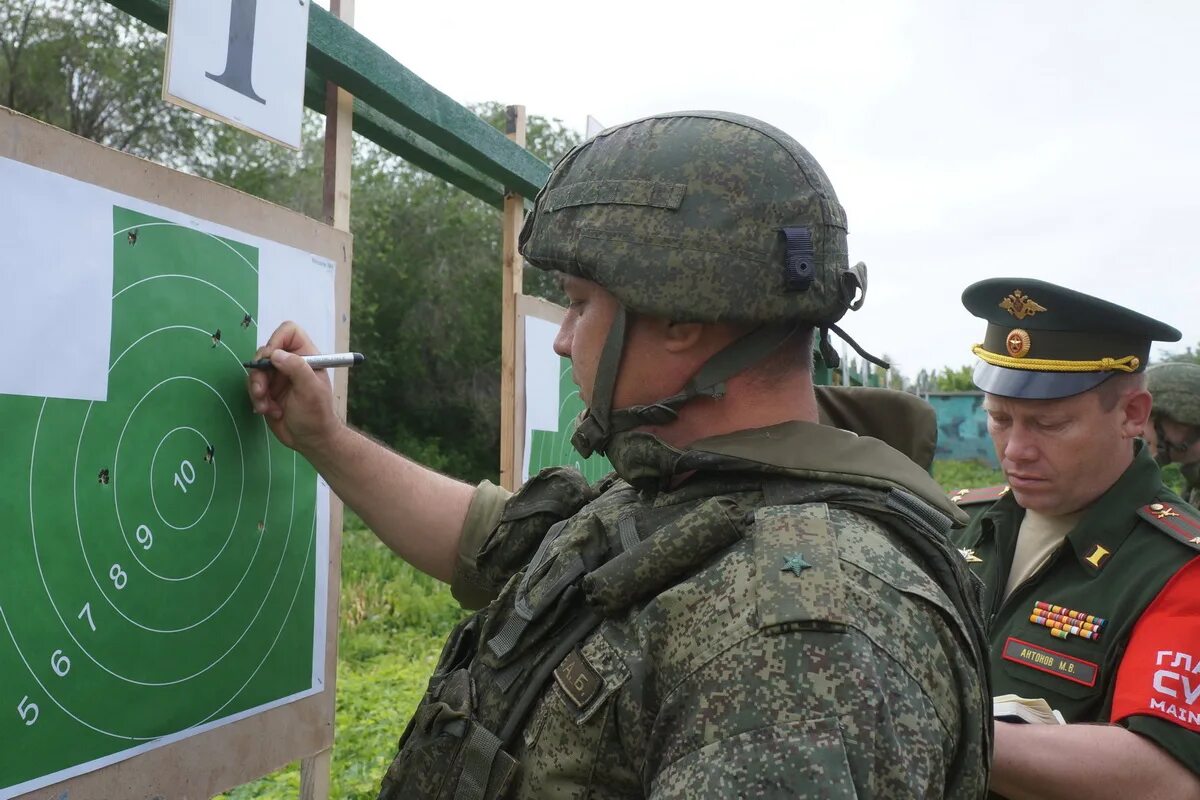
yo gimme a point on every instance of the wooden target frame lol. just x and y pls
(235, 753)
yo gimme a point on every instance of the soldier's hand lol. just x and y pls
(296, 401)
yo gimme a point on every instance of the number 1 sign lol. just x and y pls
(240, 61)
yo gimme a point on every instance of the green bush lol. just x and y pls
(953, 475)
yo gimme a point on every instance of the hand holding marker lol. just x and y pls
(328, 361)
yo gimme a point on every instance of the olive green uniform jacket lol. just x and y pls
(1113, 571)
(755, 633)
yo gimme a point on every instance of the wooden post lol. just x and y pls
(514, 207)
(339, 120)
(339, 134)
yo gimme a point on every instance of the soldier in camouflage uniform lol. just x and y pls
(754, 604)
(1174, 430)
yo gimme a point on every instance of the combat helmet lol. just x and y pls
(696, 217)
(1175, 386)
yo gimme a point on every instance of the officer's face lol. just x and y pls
(1059, 456)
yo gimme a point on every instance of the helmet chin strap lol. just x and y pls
(600, 422)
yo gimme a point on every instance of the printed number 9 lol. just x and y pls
(118, 576)
(145, 537)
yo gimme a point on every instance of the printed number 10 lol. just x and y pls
(185, 476)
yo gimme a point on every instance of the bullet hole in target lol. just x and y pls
(261, 526)
(216, 337)
(103, 476)
(133, 236)
(210, 453)
(246, 320)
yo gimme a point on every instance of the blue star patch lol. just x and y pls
(795, 563)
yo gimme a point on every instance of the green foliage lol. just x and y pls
(1173, 478)
(93, 70)
(954, 380)
(953, 475)
(1190, 354)
(426, 308)
(394, 621)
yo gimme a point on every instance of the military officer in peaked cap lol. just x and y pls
(1090, 564)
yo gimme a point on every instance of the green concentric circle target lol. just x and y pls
(162, 541)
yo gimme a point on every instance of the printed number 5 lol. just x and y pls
(27, 710)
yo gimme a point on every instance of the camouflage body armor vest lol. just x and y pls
(607, 550)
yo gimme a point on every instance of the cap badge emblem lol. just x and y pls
(1020, 305)
(1018, 343)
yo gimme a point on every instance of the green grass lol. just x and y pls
(954, 475)
(393, 623)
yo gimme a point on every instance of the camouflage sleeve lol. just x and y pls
(483, 515)
(502, 530)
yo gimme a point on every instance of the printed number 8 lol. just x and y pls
(118, 576)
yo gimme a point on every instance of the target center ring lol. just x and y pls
(185, 472)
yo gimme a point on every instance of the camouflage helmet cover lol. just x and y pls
(1176, 390)
(698, 216)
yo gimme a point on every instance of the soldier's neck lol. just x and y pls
(748, 403)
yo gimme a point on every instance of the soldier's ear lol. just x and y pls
(679, 337)
(1135, 408)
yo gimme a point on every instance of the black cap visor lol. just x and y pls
(1027, 384)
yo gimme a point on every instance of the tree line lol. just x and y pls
(425, 297)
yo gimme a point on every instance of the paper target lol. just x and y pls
(552, 403)
(159, 546)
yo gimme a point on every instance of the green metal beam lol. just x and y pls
(409, 117)
(372, 125)
(341, 54)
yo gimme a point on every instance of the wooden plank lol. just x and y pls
(314, 776)
(233, 754)
(394, 138)
(514, 209)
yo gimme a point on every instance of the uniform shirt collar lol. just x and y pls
(1109, 521)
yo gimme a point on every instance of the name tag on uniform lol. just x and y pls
(577, 678)
(1051, 661)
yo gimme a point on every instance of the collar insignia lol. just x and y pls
(969, 556)
(1098, 556)
(1162, 511)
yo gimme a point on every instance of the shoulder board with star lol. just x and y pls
(1178, 522)
(972, 497)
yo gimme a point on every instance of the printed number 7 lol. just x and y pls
(27, 710)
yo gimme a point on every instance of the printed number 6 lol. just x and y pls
(28, 711)
(60, 664)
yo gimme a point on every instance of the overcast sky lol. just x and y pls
(1054, 139)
